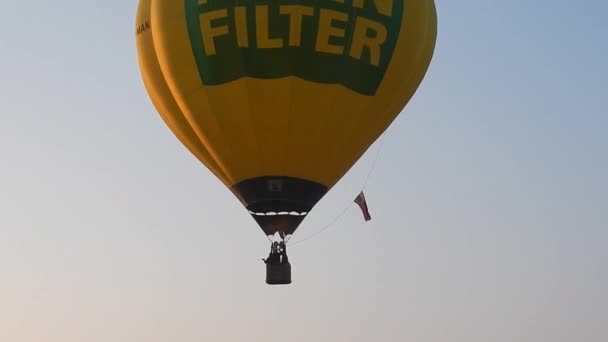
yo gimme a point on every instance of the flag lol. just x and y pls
(360, 200)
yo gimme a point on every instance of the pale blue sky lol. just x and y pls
(489, 197)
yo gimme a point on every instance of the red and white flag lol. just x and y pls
(360, 200)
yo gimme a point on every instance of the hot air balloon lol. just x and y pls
(279, 98)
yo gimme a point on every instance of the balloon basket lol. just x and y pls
(278, 274)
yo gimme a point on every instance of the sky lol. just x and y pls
(488, 197)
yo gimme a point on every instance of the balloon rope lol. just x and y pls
(371, 170)
(326, 226)
(350, 204)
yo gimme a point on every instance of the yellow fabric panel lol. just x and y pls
(312, 115)
(160, 95)
(287, 126)
(269, 104)
(178, 66)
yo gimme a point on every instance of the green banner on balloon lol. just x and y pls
(348, 42)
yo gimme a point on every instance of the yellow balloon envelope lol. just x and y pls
(279, 98)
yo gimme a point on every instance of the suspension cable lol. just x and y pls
(326, 226)
(350, 204)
